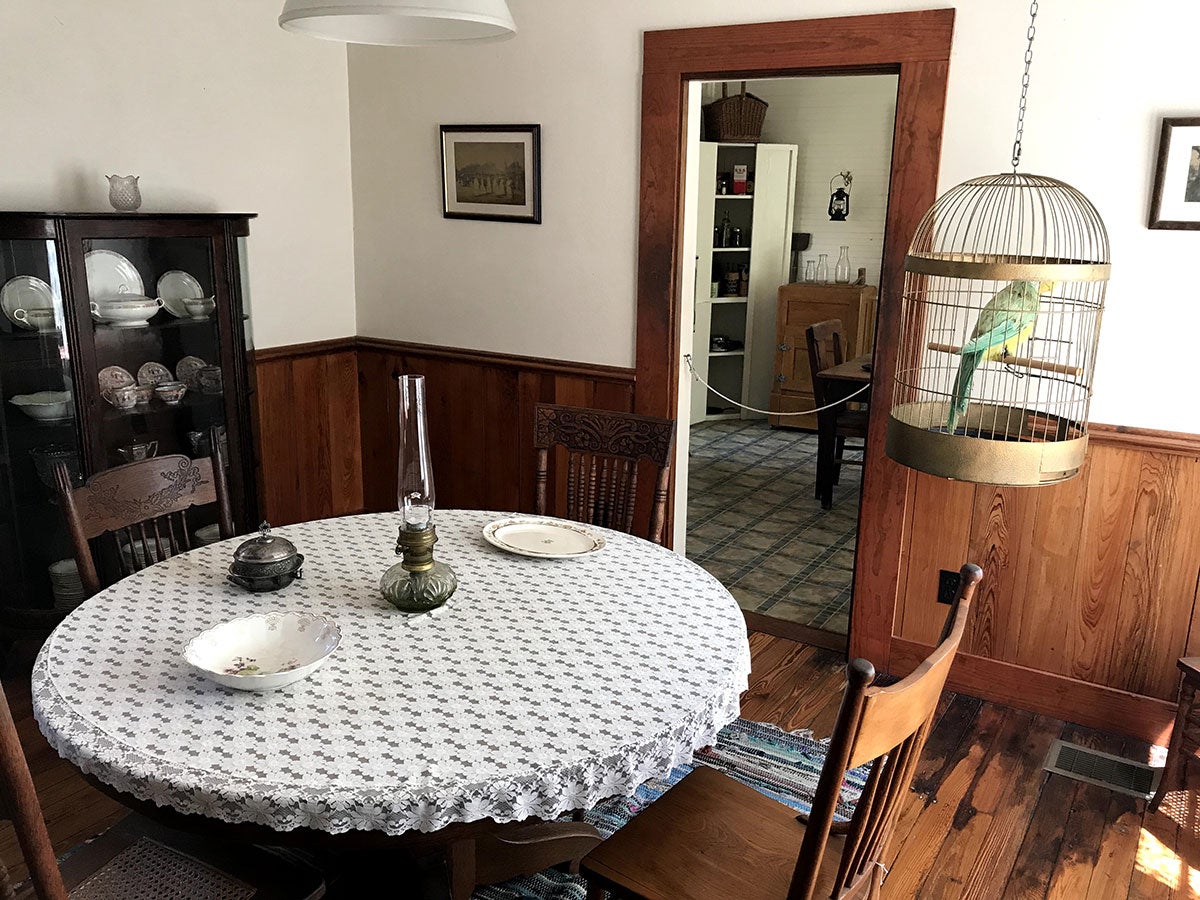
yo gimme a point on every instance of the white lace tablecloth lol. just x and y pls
(542, 686)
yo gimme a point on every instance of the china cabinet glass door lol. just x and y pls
(38, 428)
(160, 342)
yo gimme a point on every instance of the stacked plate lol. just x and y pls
(134, 555)
(66, 584)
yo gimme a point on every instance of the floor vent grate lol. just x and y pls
(1113, 772)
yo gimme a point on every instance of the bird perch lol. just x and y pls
(1023, 362)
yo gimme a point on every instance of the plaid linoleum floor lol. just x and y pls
(754, 523)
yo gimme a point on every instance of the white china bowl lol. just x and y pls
(264, 651)
(126, 311)
(44, 405)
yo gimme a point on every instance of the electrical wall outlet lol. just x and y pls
(947, 587)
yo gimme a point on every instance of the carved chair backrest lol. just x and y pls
(22, 807)
(825, 350)
(144, 507)
(603, 451)
(887, 726)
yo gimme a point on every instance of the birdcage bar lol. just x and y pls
(1028, 254)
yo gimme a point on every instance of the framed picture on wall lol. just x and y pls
(492, 172)
(1175, 202)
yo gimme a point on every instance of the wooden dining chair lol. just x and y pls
(604, 450)
(143, 506)
(711, 836)
(826, 349)
(134, 860)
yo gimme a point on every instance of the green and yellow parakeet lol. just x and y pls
(1005, 321)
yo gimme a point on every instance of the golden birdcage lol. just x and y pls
(1003, 293)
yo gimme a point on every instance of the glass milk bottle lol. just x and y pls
(823, 268)
(841, 272)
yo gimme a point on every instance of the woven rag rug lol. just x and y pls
(781, 764)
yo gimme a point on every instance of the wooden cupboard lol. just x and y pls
(800, 305)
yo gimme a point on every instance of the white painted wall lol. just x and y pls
(838, 123)
(1102, 78)
(216, 108)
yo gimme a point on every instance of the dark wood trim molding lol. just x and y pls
(794, 631)
(299, 351)
(917, 46)
(500, 360)
(1146, 439)
(1093, 705)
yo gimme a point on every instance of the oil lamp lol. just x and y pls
(418, 582)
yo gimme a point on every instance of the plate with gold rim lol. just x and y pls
(543, 537)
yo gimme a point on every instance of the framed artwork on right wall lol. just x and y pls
(1175, 201)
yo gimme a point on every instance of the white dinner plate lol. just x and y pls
(25, 292)
(546, 538)
(109, 274)
(176, 286)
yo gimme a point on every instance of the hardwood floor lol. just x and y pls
(984, 820)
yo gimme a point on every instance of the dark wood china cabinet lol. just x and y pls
(99, 313)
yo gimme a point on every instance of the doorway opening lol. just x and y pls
(769, 249)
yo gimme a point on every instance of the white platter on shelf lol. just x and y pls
(109, 274)
(176, 286)
(25, 292)
(542, 537)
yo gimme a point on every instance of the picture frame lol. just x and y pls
(492, 173)
(1175, 199)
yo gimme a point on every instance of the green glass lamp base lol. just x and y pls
(415, 592)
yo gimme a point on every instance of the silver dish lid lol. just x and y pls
(264, 549)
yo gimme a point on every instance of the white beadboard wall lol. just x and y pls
(838, 122)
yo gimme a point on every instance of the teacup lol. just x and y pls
(199, 307)
(122, 397)
(36, 319)
(170, 392)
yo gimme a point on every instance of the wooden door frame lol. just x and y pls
(916, 45)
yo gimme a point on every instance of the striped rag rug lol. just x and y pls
(781, 764)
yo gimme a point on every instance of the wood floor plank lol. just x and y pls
(937, 821)
(1118, 848)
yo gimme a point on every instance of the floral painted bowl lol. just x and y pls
(265, 651)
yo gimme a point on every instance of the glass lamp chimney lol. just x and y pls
(414, 484)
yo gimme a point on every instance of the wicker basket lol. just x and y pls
(737, 119)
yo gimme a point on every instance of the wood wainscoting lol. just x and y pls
(480, 418)
(1090, 586)
(309, 463)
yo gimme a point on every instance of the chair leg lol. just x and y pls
(595, 892)
(1170, 779)
(838, 453)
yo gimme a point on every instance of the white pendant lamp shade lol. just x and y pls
(400, 23)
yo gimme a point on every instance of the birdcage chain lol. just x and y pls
(1016, 151)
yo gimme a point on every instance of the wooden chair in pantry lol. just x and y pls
(826, 349)
(604, 450)
(143, 506)
(134, 860)
(711, 836)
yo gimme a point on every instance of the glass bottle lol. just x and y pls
(841, 272)
(823, 268)
(419, 582)
(726, 231)
(810, 271)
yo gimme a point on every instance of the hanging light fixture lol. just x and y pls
(400, 23)
(1003, 293)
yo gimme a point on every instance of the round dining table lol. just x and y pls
(542, 687)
